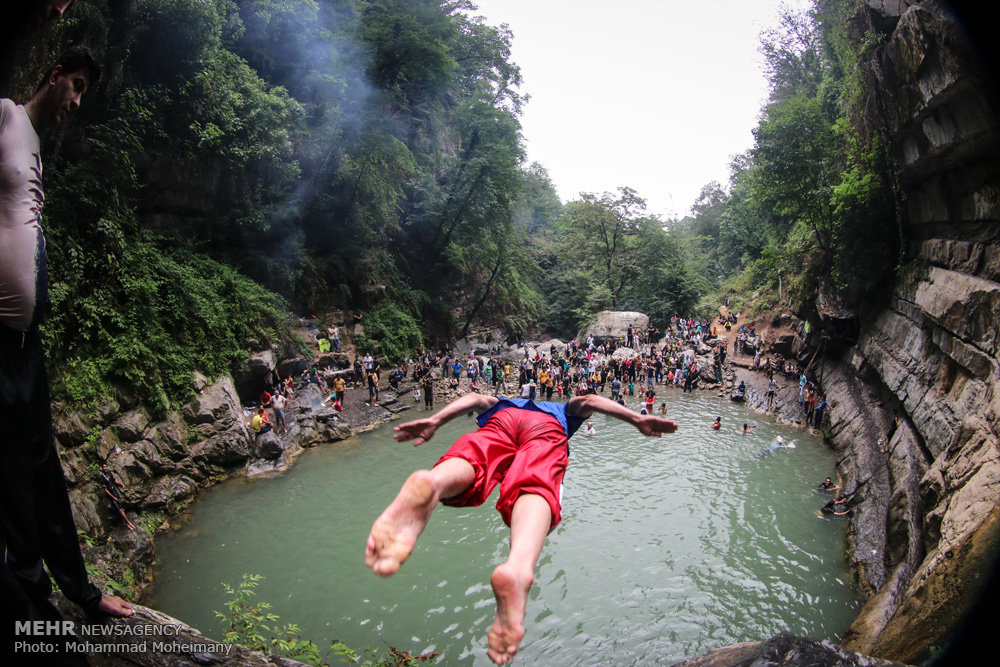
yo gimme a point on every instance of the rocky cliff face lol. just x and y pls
(927, 531)
(163, 464)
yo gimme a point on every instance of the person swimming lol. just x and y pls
(718, 424)
(746, 429)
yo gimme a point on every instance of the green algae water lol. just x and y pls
(669, 547)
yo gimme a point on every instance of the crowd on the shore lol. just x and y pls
(559, 371)
(555, 371)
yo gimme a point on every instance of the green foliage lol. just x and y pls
(390, 333)
(374, 658)
(813, 201)
(865, 233)
(126, 587)
(608, 255)
(147, 330)
(251, 624)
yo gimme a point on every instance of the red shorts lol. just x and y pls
(524, 451)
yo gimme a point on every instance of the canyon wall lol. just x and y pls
(925, 533)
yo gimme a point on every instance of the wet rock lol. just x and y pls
(292, 367)
(333, 360)
(150, 456)
(70, 429)
(199, 381)
(107, 411)
(85, 509)
(268, 446)
(170, 437)
(75, 465)
(226, 449)
(785, 650)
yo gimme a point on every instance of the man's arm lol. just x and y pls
(423, 429)
(585, 406)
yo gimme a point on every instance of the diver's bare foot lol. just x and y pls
(511, 591)
(395, 532)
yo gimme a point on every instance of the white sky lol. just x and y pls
(657, 95)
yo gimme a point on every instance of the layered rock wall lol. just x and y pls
(926, 531)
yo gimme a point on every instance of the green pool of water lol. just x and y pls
(668, 547)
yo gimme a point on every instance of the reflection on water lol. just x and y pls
(668, 547)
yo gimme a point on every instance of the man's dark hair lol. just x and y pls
(74, 59)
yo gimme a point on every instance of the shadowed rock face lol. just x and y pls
(788, 650)
(926, 533)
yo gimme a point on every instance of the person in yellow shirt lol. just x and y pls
(339, 386)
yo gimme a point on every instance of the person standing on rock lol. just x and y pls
(520, 445)
(278, 403)
(37, 534)
(339, 387)
(772, 387)
(428, 386)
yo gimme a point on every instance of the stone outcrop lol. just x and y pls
(788, 650)
(610, 325)
(164, 464)
(259, 373)
(925, 532)
(149, 637)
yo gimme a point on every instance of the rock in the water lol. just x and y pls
(785, 650)
(268, 446)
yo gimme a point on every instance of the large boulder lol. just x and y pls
(213, 403)
(168, 490)
(225, 449)
(130, 426)
(259, 374)
(292, 367)
(610, 325)
(550, 347)
(268, 446)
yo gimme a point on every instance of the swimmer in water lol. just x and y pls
(718, 424)
(828, 485)
(746, 429)
(590, 430)
(663, 408)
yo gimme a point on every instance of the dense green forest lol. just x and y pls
(246, 161)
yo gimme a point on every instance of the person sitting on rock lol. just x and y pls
(260, 423)
(520, 445)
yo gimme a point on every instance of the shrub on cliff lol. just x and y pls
(390, 333)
